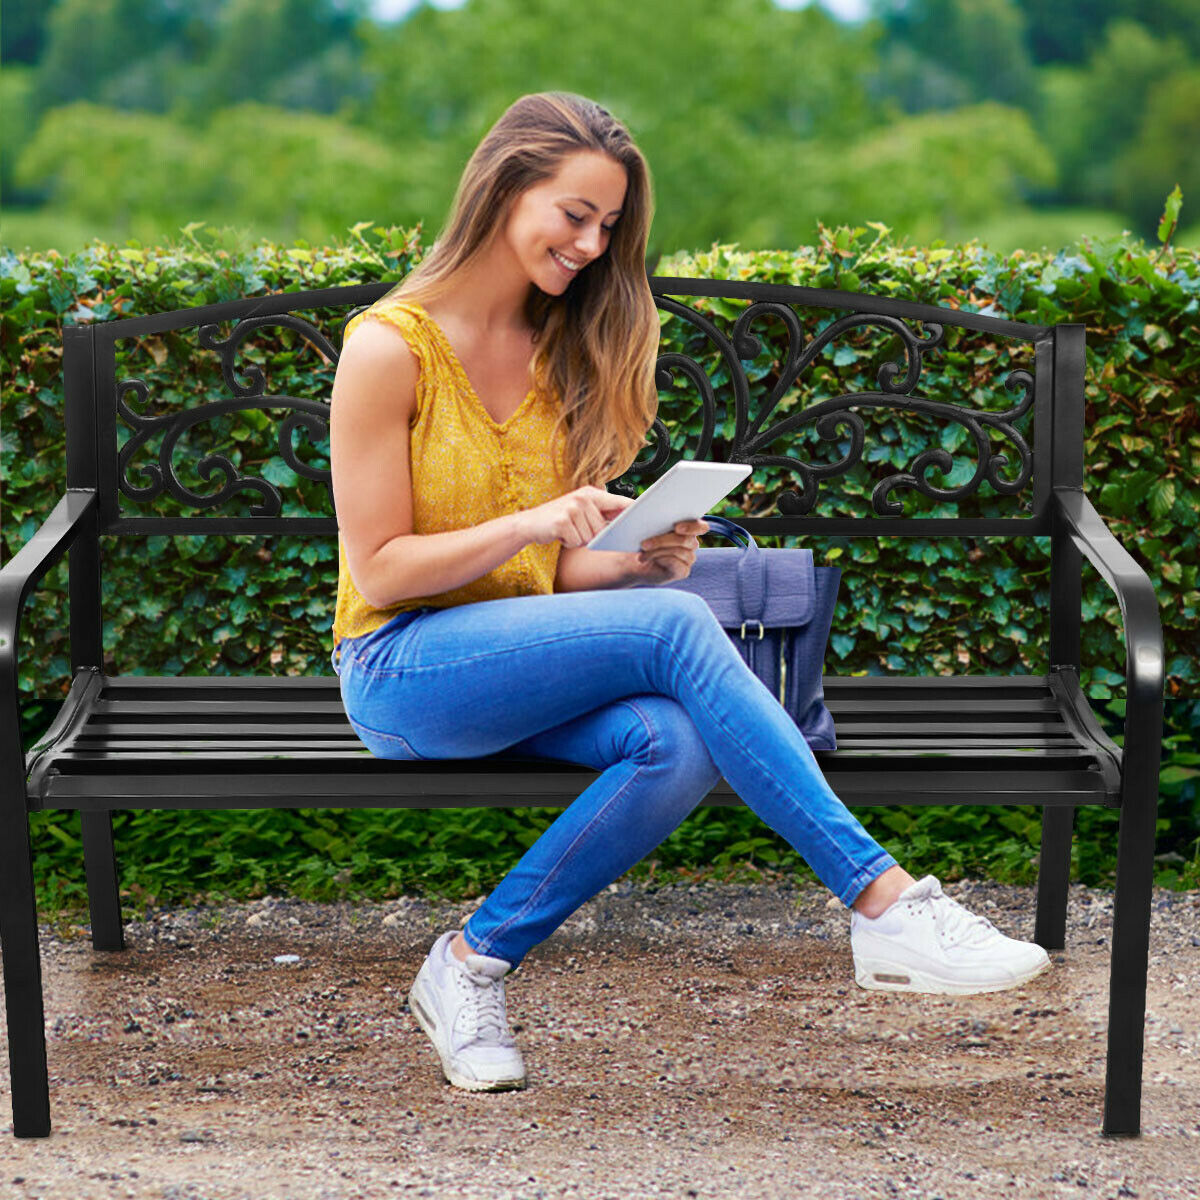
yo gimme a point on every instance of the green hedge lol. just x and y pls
(908, 605)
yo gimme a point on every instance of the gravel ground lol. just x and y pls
(686, 1040)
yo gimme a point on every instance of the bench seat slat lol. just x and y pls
(230, 742)
(272, 727)
(150, 687)
(959, 708)
(205, 752)
(328, 741)
(417, 785)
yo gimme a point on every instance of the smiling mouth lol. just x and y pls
(567, 270)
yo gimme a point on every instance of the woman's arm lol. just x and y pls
(374, 397)
(584, 570)
(663, 559)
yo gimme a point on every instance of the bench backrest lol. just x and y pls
(760, 376)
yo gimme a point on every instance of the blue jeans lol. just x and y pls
(641, 684)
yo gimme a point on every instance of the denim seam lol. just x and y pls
(868, 875)
(490, 939)
(377, 673)
(379, 733)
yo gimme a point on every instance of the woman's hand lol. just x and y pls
(572, 519)
(669, 556)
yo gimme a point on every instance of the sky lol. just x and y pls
(846, 10)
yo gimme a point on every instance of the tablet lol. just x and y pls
(685, 493)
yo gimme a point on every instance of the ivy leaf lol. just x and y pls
(279, 473)
(953, 436)
(842, 643)
(1162, 497)
(1157, 338)
(1170, 214)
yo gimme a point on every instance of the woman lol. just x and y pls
(475, 418)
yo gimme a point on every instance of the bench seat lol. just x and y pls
(136, 741)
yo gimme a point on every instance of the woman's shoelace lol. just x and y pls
(485, 1000)
(957, 924)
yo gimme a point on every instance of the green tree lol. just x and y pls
(937, 175)
(1089, 116)
(273, 171)
(300, 54)
(1071, 33)
(711, 104)
(23, 33)
(943, 53)
(102, 164)
(122, 53)
(1164, 151)
(158, 57)
(17, 83)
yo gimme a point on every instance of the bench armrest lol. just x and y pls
(18, 578)
(1144, 660)
(1134, 591)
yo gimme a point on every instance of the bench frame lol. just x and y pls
(55, 773)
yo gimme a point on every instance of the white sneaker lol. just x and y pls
(461, 1007)
(927, 942)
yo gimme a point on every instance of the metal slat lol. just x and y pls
(128, 684)
(415, 786)
(269, 726)
(941, 729)
(218, 707)
(166, 759)
(236, 742)
(351, 742)
(1012, 750)
(233, 741)
(964, 741)
(927, 683)
(955, 705)
(966, 787)
(250, 709)
(291, 731)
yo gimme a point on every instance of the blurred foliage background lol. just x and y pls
(1014, 121)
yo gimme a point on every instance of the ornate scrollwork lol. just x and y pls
(830, 417)
(311, 416)
(833, 419)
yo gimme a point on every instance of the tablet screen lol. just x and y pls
(685, 493)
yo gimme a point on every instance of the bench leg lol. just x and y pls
(1130, 958)
(1054, 877)
(100, 866)
(22, 975)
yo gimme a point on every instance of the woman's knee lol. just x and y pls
(666, 736)
(684, 605)
(692, 622)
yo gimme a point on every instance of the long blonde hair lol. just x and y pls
(597, 341)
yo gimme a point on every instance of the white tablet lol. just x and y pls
(685, 493)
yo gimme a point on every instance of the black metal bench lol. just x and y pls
(283, 741)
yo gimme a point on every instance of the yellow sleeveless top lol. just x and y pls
(466, 469)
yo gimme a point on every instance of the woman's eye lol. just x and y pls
(606, 228)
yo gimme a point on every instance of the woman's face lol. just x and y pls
(569, 216)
